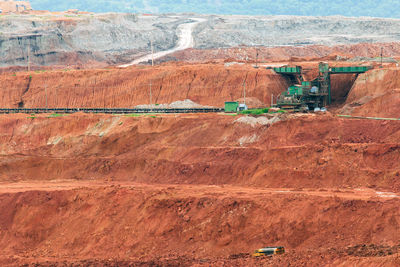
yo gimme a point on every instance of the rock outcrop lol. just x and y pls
(70, 39)
(67, 38)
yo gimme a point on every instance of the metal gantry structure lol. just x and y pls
(308, 95)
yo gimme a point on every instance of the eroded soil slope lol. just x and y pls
(375, 93)
(207, 84)
(197, 189)
(173, 190)
(306, 151)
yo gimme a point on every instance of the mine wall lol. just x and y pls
(45, 40)
(84, 39)
(195, 189)
(306, 152)
(130, 87)
(196, 186)
(366, 94)
(135, 222)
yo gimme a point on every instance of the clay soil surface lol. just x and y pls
(113, 224)
(198, 190)
(209, 84)
(206, 84)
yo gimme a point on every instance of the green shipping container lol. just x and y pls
(288, 70)
(231, 107)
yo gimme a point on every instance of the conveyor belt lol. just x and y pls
(108, 110)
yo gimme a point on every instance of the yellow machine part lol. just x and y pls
(270, 252)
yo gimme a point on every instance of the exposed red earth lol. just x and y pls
(197, 189)
(195, 225)
(296, 152)
(375, 93)
(150, 190)
(207, 84)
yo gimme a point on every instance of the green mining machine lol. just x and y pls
(311, 95)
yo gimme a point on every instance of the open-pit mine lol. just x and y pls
(79, 187)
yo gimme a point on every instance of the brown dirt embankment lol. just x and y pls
(375, 93)
(305, 151)
(188, 225)
(206, 84)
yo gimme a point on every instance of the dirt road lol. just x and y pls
(184, 32)
(195, 190)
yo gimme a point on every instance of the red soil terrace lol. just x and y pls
(197, 190)
(330, 173)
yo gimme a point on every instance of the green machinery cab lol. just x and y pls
(231, 107)
(269, 251)
(301, 97)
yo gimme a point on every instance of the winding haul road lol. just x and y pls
(185, 34)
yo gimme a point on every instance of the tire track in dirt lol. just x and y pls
(196, 190)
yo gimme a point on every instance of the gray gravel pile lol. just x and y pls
(187, 103)
(254, 121)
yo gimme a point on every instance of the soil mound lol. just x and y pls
(375, 93)
(187, 103)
